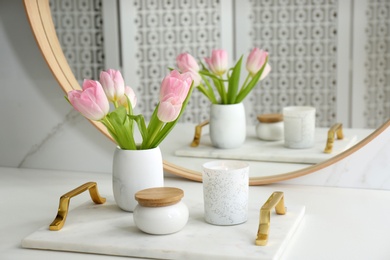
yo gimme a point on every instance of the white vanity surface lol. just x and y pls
(339, 223)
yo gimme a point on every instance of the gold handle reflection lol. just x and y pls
(335, 129)
(198, 133)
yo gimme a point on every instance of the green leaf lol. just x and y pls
(140, 120)
(122, 126)
(169, 126)
(204, 91)
(209, 92)
(129, 106)
(152, 127)
(234, 81)
(67, 99)
(208, 74)
(221, 90)
(110, 129)
(246, 90)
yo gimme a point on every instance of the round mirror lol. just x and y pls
(262, 172)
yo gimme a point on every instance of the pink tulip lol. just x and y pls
(185, 62)
(266, 70)
(113, 84)
(195, 76)
(175, 84)
(218, 63)
(255, 62)
(131, 95)
(174, 90)
(169, 109)
(91, 102)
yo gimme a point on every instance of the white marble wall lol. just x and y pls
(38, 127)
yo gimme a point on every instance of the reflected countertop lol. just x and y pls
(368, 168)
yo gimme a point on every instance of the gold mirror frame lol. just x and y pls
(40, 19)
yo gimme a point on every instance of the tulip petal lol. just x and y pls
(186, 62)
(91, 102)
(168, 111)
(113, 84)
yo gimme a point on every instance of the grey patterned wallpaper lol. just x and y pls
(301, 39)
(301, 36)
(377, 81)
(166, 29)
(79, 28)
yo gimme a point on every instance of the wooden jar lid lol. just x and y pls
(270, 118)
(159, 197)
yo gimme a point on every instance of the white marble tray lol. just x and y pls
(255, 149)
(105, 229)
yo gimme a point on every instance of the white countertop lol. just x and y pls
(339, 223)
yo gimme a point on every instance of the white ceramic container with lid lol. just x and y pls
(270, 127)
(160, 210)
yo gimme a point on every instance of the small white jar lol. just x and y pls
(270, 127)
(160, 210)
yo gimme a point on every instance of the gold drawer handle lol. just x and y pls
(59, 221)
(335, 129)
(276, 200)
(198, 133)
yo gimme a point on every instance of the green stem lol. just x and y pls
(219, 84)
(115, 104)
(140, 120)
(169, 126)
(208, 92)
(110, 129)
(246, 81)
(247, 89)
(152, 134)
(234, 81)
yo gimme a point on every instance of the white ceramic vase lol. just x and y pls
(135, 170)
(227, 125)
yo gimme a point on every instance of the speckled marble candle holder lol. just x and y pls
(225, 192)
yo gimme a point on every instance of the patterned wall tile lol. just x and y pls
(166, 29)
(300, 36)
(377, 81)
(79, 28)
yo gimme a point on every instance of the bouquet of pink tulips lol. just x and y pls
(220, 75)
(93, 102)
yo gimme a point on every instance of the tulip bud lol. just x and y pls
(91, 102)
(176, 84)
(174, 90)
(266, 70)
(195, 76)
(129, 92)
(186, 62)
(255, 62)
(218, 62)
(113, 84)
(169, 109)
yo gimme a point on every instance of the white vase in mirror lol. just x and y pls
(227, 125)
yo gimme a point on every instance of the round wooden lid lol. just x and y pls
(159, 197)
(270, 118)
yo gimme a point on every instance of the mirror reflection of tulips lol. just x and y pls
(93, 102)
(218, 82)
